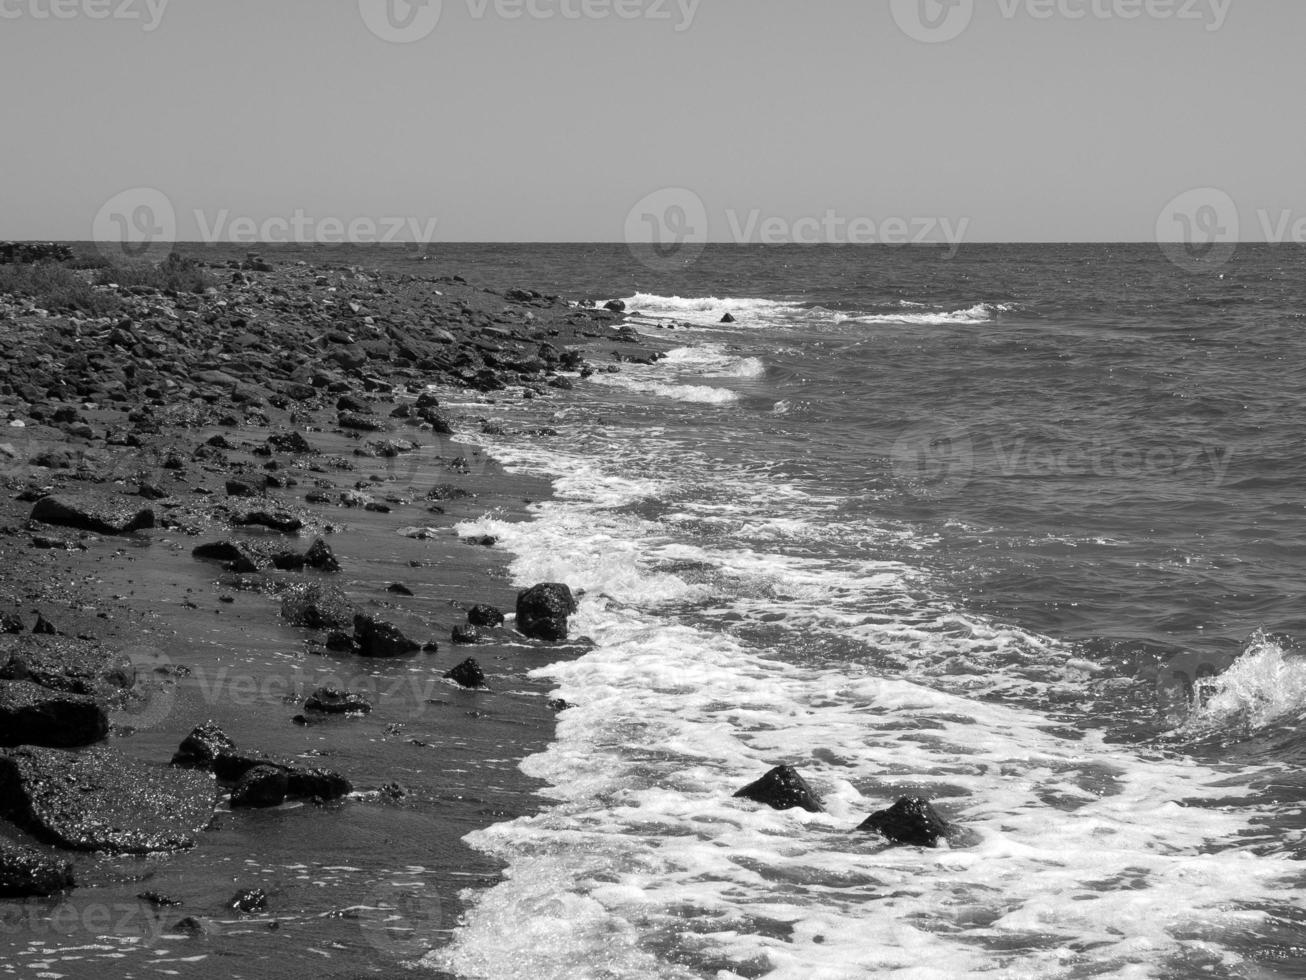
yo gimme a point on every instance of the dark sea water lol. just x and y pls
(1020, 531)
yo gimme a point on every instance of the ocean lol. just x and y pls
(1019, 531)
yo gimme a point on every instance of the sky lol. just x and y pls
(605, 120)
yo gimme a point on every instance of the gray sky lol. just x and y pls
(1032, 123)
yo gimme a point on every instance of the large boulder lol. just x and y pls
(102, 800)
(25, 873)
(543, 610)
(910, 821)
(102, 513)
(34, 715)
(782, 789)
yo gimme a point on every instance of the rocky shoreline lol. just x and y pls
(232, 420)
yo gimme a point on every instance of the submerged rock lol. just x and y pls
(910, 821)
(25, 873)
(101, 513)
(782, 789)
(249, 901)
(34, 715)
(543, 610)
(102, 800)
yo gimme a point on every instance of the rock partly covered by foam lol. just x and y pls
(34, 715)
(910, 821)
(102, 513)
(26, 873)
(542, 611)
(102, 800)
(782, 789)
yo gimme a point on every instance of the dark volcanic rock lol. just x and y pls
(32, 715)
(318, 607)
(615, 305)
(65, 664)
(202, 748)
(25, 873)
(483, 615)
(209, 748)
(782, 789)
(290, 442)
(909, 821)
(245, 488)
(543, 610)
(102, 513)
(276, 521)
(261, 786)
(333, 701)
(321, 557)
(466, 636)
(101, 800)
(728, 318)
(9, 623)
(376, 638)
(360, 423)
(467, 674)
(398, 588)
(237, 556)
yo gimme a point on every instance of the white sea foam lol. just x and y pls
(1264, 686)
(645, 385)
(1088, 857)
(979, 313)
